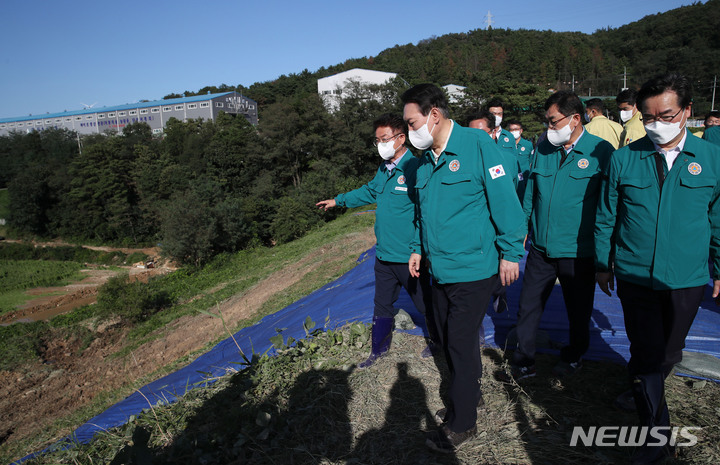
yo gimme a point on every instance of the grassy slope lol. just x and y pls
(202, 290)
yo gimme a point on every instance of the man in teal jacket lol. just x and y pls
(485, 121)
(525, 153)
(560, 203)
(657, 224)
(712, 134)
(471, 227)
(393, 189)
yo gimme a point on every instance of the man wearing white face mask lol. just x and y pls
(658, 222)
(525, 153)
(392, 189)
(599, 125)
(497, 109)
(633, 128)
(560, 203)
(470, 227)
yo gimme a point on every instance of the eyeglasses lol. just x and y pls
(553, 124)
(648, 119)
(385, 141)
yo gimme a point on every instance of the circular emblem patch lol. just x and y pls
(454, 165)
(401, 179)
(507, 140)
(583, 163)
(694, 168)
(522, 149)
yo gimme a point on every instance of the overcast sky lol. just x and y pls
(60, 56)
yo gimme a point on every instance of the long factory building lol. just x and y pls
(155, 113)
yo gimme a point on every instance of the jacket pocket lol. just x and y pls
(694, 182)
(636, 183)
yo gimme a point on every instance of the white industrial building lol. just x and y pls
(454, 92)
(331, 88)
(155, 113)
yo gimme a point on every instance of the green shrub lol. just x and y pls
(21, 343)
(132, 301)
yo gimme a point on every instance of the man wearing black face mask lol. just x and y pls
(658, 222)
(393, 190)
(560, 203)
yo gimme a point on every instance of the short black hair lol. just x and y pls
(712, 114)
(628, 96)
(496, 102)
(482, 113)
(513, 122)
(567, 101)
(427, 97)
(595, 104)
(666, 82)
(393, 121)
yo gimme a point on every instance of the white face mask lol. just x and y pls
(498, 120)
(422, 138)
(587, 118)
(386, 149)
(560, 136)
(661, 133)
(625, 115)
(516, 134)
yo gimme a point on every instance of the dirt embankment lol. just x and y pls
(69, 378)
(52, 301)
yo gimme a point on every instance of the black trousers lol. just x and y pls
(657, 323)
(459, 309)
(389, 278)
(577, 280)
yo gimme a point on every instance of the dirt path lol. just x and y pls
(34, 398)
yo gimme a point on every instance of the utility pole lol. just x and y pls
(712, 108)
(624, 78)
(488, 21)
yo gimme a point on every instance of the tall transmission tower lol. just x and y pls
(488, 21)
(624, 78)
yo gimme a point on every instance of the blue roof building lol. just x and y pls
(155, 114)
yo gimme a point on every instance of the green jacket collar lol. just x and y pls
(691, 147)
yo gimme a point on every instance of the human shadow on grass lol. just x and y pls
(306, 424)
(401, 438)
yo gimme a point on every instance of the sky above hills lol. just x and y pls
(60, 56)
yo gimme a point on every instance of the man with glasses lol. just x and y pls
(712, 128)
(560, 203)
(658, 222)
(393, 189)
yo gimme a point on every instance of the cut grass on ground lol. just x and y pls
(308, 405)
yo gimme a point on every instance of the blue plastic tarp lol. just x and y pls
(350, 298)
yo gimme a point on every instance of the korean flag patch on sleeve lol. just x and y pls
(496, 171)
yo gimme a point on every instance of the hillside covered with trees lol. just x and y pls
(210, 187)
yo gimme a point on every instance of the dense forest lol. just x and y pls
(208, 187)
